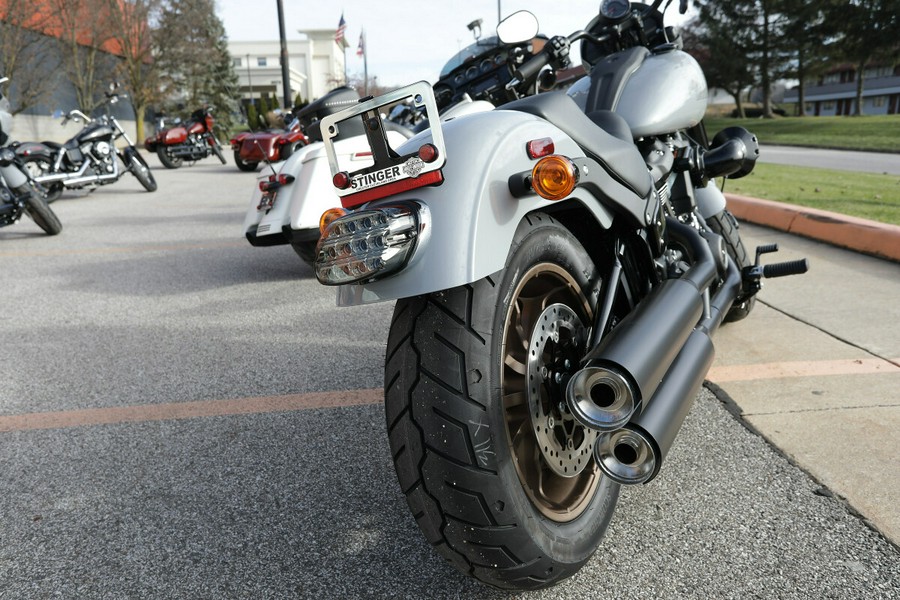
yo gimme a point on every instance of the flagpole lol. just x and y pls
(365, 62)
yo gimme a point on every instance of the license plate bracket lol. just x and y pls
(391, 172)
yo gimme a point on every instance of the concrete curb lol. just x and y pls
(869, 237)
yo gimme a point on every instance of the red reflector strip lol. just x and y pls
(540, 148)
(430, 178)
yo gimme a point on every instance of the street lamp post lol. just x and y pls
(285, 77)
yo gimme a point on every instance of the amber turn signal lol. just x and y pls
(329, 216)
(554, 177)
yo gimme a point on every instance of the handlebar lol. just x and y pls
(75, 114)
(556, 49)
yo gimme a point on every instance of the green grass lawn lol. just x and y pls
(865, 195)
(876, 133)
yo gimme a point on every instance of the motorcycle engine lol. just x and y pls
(102, 153)
(101, 150)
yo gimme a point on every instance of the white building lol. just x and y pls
(315, 66)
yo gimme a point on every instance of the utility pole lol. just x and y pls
(249, 79)
(285, 72)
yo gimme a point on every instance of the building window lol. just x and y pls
(810, 107)
(875, 72)
(261, 61)
(879, 101)
(236, 61)
(832, 78)
(828, 105)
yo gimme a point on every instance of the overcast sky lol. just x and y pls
(405, 44)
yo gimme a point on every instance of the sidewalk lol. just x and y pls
(816, 368)
(861, 235)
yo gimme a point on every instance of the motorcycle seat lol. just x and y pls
(619, 157)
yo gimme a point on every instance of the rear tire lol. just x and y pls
(727, 226)
(242, 165)
(168, 161)
(289, 149)
(141, 170)
(38, 209)
(38, 167)
(463, 407)
(306, 251)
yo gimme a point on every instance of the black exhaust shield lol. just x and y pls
(664, 349)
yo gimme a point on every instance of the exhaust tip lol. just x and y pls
(626, 456)
(600, 398)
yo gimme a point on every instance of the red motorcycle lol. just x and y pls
(192, 140)
(251, 148)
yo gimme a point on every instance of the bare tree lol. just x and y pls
(27, 56)
(82, 27)
(131, 28)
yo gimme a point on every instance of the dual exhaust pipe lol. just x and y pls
(639, 382)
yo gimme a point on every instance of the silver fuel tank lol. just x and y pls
(656, 92)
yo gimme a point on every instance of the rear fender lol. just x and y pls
(278, 218)
(312, 191)
(473, 216)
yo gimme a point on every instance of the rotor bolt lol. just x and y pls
(545, 372)
(550, 422)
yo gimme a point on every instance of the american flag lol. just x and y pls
(339, 34)
(361, 48)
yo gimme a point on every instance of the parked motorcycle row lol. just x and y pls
(559, 260)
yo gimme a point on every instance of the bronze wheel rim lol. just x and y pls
(539, 293)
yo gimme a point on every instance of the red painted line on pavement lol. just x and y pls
(126, 249)
(189, 410)
(816, 368)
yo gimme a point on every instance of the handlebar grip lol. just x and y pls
(532, 67)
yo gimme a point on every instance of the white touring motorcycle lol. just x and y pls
(559, 266)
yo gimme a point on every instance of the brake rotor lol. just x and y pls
(553, 355)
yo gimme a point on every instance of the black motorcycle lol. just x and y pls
(18, 194)
(89, 159)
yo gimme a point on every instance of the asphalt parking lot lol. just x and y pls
(185, 416)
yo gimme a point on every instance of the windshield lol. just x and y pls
(470, 53)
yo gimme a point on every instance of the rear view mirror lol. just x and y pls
(518, 27)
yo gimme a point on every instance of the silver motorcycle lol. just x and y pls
(559, 267)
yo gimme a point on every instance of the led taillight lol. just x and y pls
(271, 183)
(554, 177)
(329, 216)
(540, 148)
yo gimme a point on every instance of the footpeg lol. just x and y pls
(752, 276)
